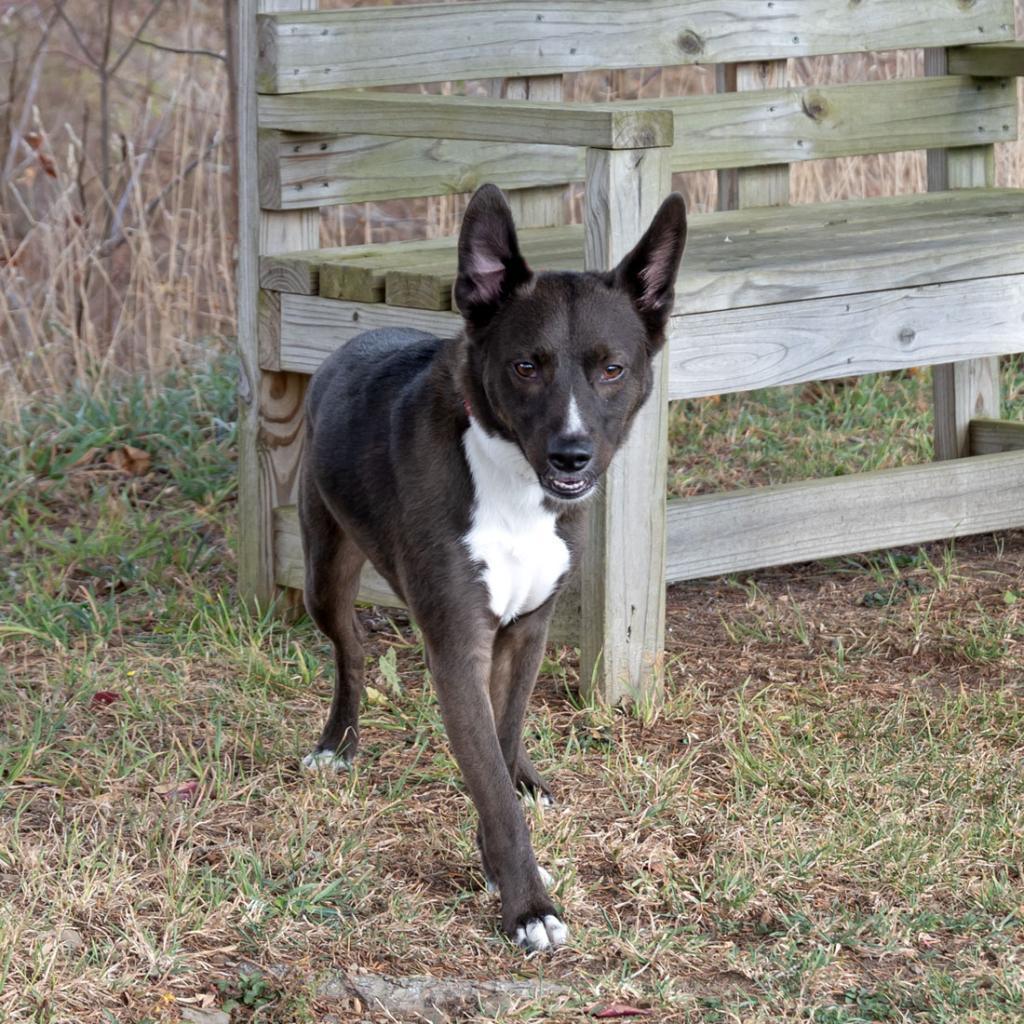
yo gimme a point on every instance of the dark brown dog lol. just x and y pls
(460, 469)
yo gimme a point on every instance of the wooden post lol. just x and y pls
(752, 186)
(623, 568)
(969, 389)
(270, 404)
(542, 207)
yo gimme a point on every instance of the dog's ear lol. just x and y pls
(648, 273)
(490, 265)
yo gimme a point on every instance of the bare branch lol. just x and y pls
(74, 32)
(156, 5)
(182, 50)
(121, 236)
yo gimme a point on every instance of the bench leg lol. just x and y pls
(962, 392)
(270, 404)
(623, 567)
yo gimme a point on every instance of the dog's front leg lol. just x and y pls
(518, 653)
(461, 673)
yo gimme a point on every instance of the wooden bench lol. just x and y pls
(769, 293)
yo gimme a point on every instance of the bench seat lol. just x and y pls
(733, 259)
(766, 296)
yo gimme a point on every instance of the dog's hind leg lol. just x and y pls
(518, 652)
(333, 562)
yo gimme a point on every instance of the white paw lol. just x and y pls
(326, 761)
(540, 799)
(545, 876)
(537, 934)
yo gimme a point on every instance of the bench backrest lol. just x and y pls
(392, 46)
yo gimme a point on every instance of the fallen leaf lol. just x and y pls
(186, 791)
(102, 698)
(616, 1010)
(131, 460)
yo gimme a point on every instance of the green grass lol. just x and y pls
(823, 822)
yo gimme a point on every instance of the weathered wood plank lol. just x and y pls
(961, 390)
(622, 592)
(312, 327)
(745, 129)
(363, 278)
(989, 60)
(419, 115)
(374, 589)
(761, 256)
(542, 206)
(299, 272)
(988, 436)
(787, 125)
(321, 170)
(496, 39)
(767, 346)
(742, 530)
(429, 285)
(764, 185)
(270, 404)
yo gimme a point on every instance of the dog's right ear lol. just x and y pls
(490, 265)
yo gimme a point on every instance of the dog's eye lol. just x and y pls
(526, 370)
(612, 372)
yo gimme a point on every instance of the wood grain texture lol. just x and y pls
(269, 437)
(742, 530)
(767, 185)
(320, 170)
(497, 38)
(789, 125)
(767, 346)
(745, 129)
(313, 327)
(961, 390)
(622, 570)
(542, 206)
(989, 436)
(991, 60)
(765, 256)
(419, 115)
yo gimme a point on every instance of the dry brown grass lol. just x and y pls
(138, 277)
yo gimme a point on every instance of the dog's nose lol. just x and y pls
(570, 454)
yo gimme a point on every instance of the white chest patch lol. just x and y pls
(511, 533)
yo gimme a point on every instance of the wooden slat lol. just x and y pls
(775, 126)
(745, 129)
(763, 185)
(768, 346)
(298, 171)
(374, 589)
(961, 390)
(495, 38)
(363, 278)
(543, 206)
(990, 60)
(608, 125)
(313, 327)
(769, 256)
(988, 436)
(622, 627)
(270, 404)
(765, 256)
(749, 529)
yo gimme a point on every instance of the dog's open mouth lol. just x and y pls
(567, 488)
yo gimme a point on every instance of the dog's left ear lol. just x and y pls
(648, 273)
(490, 265)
